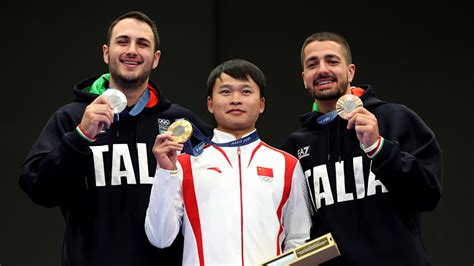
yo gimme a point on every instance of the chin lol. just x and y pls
(328, 95)
(129, 76)
(233, 127)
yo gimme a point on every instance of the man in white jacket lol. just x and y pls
(241, 201)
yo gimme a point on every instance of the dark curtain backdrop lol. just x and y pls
(417, 53)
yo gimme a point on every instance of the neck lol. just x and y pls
(132, 93)
(327, 106)
(238, 134)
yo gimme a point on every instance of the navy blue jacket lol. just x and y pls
(371, 206)
(102, 188)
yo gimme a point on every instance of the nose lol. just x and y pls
(236, 99)
(132, 49)
(323, 67)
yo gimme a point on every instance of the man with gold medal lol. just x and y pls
(372, 166)
(237, 200)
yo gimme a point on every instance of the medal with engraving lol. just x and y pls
(181, 130)
(346, 104)
(117, 99)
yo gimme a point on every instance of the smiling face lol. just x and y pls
(131, 55)
(326, 72)
(235, 104)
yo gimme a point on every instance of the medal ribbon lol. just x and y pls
(326, 118)
(138, 107)
(198, 149)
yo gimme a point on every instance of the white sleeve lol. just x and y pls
(297, 218)
(165, 210)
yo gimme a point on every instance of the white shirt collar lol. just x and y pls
(223, 137)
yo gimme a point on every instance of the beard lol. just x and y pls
(331, 94)
(128, 81)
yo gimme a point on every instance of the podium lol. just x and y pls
(311, 253)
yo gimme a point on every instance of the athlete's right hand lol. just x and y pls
(166, 150)
(98, 114)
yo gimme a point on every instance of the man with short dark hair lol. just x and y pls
(95, 162)
(372, 166)
(240, 202)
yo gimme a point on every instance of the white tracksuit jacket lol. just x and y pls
(236, 205)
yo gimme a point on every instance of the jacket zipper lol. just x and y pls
(241, 208)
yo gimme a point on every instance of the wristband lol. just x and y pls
(84, 135)
(174, 172)
(372, 154)
(372, 147)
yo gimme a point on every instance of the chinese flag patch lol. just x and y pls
(263, 171)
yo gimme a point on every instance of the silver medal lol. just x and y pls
(117, 99)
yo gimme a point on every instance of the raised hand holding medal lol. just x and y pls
(364, 122)
(99, 114)
(168, 144)
(118, 102)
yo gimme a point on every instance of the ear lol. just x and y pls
(105, 53)
(351, 72)
(262, 104)
(156, 58)
(304, 82)
(209, 105)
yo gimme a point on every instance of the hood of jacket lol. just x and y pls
(89, 89)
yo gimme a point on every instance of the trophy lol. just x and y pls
(311, 253)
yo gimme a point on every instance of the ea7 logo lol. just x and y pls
(303, 152)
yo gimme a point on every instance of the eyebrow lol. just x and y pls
(245, 85)
(141, 39)
(331, 56)
(326, 57)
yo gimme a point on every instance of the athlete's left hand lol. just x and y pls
(365, 125)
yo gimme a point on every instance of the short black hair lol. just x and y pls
(137, 15)
(328, 36)
(239, 69)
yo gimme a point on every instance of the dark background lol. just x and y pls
(415, 53)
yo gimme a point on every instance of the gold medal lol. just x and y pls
(181, 130)
(346, 104)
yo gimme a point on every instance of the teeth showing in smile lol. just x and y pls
(131, 63)
(324, 82)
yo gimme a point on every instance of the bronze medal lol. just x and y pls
(346, 104)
